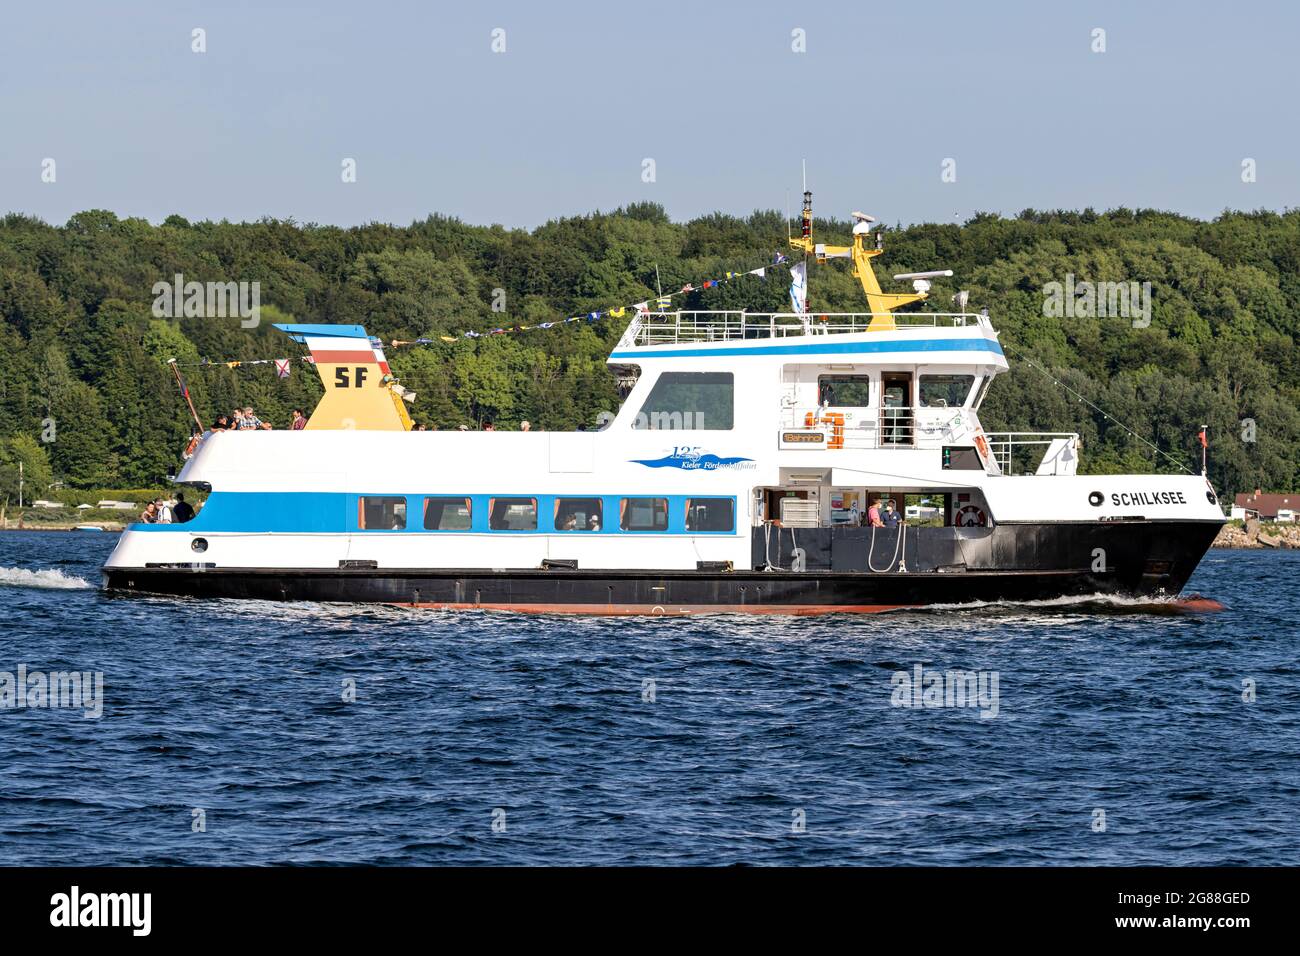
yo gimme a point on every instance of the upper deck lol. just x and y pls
(859, 337)
(672, 328)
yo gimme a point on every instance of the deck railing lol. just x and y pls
(892, 427)
(1016, 452)
(666, 328)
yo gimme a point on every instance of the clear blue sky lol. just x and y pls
(560, 123)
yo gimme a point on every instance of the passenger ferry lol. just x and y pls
(733, 478)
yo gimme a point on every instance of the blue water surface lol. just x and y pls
(1121, 735)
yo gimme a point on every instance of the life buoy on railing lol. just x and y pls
(834, 419)
(192, 446)
(970, 516)
(982, 444)
(837, 429)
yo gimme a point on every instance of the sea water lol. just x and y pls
(1108, 732)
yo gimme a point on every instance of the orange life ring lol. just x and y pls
(834, 419)
(982, 445)
(837, 429)
(192, 446)
(974, 517)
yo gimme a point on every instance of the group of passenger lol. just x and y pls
(524, 426)
(245, 419)
(159, 511)
(570, 522)
(881, 514)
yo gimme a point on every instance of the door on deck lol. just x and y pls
(896, 424)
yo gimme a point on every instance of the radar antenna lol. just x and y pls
(880, 303)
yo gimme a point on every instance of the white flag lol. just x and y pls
(799, 287)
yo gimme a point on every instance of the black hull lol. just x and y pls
(1142, 559)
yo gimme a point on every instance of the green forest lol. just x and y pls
(87, 399)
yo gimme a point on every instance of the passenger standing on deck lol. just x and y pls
(525, 426)
(249, 421)
(873, 514)
(164, 512)
(182, 511)
(299, 421)
(150, 514)
(891, 518)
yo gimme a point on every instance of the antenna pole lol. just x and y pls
(806, 232)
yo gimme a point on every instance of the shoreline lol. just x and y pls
(106, 526)
(1252, 535)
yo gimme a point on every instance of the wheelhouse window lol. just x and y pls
(643, 514)
(579, 514)
(680, 401)
(710, 514)
(381, 513)
(447, 514)
(512, 514)
(844, 391)
(945, 391)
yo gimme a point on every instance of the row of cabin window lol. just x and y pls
(587, 513)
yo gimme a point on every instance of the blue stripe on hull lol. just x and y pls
(292, 512)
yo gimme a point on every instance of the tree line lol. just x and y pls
(86, 396)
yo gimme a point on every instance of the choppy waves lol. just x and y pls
(42, 578)
(321, 734)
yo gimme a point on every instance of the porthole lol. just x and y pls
(1096, 498)
(199, 544)
(1211, 498)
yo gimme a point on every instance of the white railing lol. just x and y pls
(1060, 451)
(877, 428)
(665, 328)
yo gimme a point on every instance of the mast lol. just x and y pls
(879, 302)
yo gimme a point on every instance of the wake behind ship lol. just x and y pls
(734, 477)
